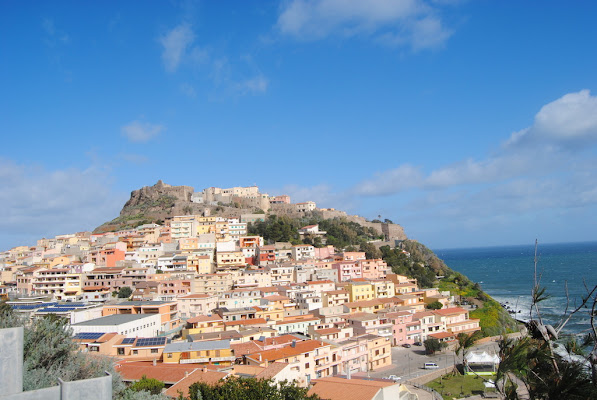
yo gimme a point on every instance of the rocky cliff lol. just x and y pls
(158, 198)
(160, 201)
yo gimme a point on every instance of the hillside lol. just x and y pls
(161, 201)
(377, 239)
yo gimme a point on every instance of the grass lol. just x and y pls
(457, 386)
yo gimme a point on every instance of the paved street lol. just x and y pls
(407, 363)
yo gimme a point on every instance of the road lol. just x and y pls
(407, 363)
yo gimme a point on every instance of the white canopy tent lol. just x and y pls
(481, 363)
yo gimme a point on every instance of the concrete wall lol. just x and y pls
(11, 376)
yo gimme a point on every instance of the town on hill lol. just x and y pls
(189, 287)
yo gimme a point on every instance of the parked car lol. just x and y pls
(394, 378)
(418, 344)
(406, 345)
(430, 365)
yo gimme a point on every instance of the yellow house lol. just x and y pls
(203, 324)
(208, 228)
(383, 288)
(200, 264)
(215, 352)
(230, 258)
(380, 351)
(359, 291)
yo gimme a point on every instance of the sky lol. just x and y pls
(470, 123)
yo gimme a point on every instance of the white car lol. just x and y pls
(394, 378)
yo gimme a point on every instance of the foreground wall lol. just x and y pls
(11, 376)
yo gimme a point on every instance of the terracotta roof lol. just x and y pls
(332, 388)
(327, 331)
(209, 377)
(167, 373)
(252, 370)
(241, 349)
(288, 351)
(276, 297)
(340, 291)
(441, 335)
(271, 370)
(269, 341)
(450, 311)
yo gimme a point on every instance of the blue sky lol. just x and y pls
(470, 123)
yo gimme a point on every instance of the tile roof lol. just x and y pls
(332, 388)
(450, 311)
(271, 370)
(241, 349)
(199, 375)
(167, 373)
(288, 351)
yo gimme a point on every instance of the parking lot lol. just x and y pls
(407, 363)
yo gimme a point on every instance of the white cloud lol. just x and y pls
(257, 84)
(137, 159)
(569, 120)
(413, 22)
(188, 90)
(542, 172)
(392, 181)
(175, 44)
(138, 131)
(35, 202)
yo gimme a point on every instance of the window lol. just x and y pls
(135, 351)
(120, 351)
(154, 351)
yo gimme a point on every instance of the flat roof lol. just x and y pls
(116, 319)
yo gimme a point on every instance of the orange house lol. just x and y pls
(168, 311)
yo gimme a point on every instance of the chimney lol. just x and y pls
(259, 356)
(293, 343)
(155, 362)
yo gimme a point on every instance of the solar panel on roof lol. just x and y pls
(70, 305)
(24, 306)
(159, 341)
(128, 340)
(89, 335)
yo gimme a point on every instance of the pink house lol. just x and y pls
(348, 270)
(374, 269)
(399, 321)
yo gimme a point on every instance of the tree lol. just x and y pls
(432, 345)
(150, 385)
(531, 368)
(125, 292)
(436, 305)
(49, 354)
(249, 389)
(371, 252)
(465, 341)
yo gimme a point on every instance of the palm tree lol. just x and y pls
(466, 341)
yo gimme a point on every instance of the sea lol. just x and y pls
(506, 273)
